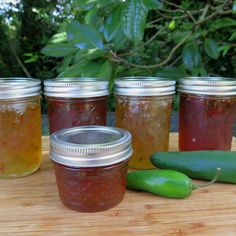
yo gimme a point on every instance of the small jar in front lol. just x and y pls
(143, 107)
(20, 127)
(90, 164)
(207, 113)
(76, 102)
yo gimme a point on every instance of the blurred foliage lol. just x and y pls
(114, 38)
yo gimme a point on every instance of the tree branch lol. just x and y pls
(121, 60)
(202, 19)
(214, 14)
(19, 61)
(144, 44)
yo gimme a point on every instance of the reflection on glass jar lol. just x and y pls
(143, 106)
(90, 164)
(20, 127)
(67, 113)
(207, 113)
(76, 102)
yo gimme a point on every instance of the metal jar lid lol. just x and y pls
(11, 88)
(76, 87)
(207, 85)
(144, 86)
(90, 146)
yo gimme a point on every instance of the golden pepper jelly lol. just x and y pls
(75, 102)
(143, 107)
(20, 127)
(207, 113)
(90, 164)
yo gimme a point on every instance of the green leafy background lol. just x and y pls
(115, 38)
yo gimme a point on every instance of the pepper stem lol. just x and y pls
(196, 186)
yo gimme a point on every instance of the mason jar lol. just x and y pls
(20, 127)
(75, 102)
(207, 113)
(90, 164)
(143, 107)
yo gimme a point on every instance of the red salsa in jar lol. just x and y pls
(76, 102)
(90, 164)
(207, 113)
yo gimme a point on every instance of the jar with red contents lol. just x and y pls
(75, 102)
(207, 113)
(90, 164)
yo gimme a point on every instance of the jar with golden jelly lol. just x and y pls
(143, 107)
(75, 102)
(90, 164)
(20, 127)
(207, 113)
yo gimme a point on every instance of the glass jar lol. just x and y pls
(20, 127)
(143, 107)
(75, 102)
(207, 113)
(90, 164)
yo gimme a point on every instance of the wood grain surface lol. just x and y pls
(31, 206)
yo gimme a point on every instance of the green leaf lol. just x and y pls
(89, 54)
(211, 48)
(31, 59)
(202, 71)
(84, 36)
(191, 56)
(65, 63)
(171, 73)
(222, 23)
(153, 4)
(106, 3)
(83, 69)
(120, 40)
(177, 35)
(196, 71)
(92, 17)
(134, 18)
(112, 24)
(171, 25)
(58, 38)
(84, 4)
(58, 50)
(105, 71)
(176, 102)
(224, 49)
(233, 36)
(28, 54)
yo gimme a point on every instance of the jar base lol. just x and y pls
(92, 210)
(19, 175)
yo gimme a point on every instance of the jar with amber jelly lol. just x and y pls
(20, 127)
(207, 113)
(90, 164)
(143, 107)
(75, 102)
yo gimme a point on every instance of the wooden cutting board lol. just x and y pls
(31, 206)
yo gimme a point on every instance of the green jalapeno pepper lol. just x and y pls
(166, 183)
(199, 164)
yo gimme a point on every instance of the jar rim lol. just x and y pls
(207, 85)
(90, 146)
(144, 86)
(76, 87)
(19, 87)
